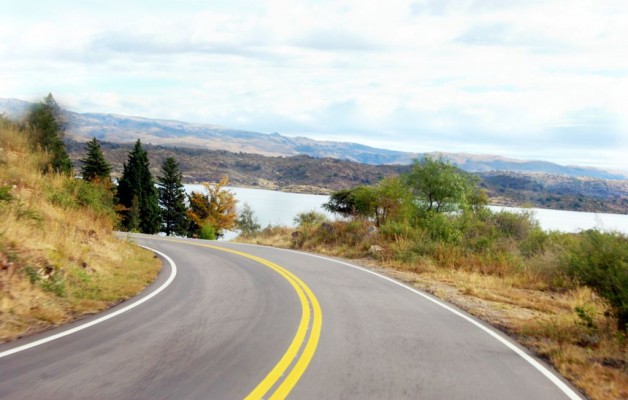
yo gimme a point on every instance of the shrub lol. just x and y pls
(534, 243)
(207, 232)
(515, 225)
(76, 193)
(5, 194)
(442, 227)
(600, 261)
(312, 217)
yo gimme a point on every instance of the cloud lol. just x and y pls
(337, 40)
(538, 77)
(148, 44)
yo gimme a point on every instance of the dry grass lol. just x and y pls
(58, 260)
(569, 327)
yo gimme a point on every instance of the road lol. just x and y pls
(240, 320)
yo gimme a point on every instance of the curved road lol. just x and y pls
(240, 321)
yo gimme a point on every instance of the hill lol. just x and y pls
(296, 174)
(556, 191)
(322, 175)
(59, 259)
(124, 129)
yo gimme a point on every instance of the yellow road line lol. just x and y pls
(307, 298)
(310, 348)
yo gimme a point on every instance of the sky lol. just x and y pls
(530, 79)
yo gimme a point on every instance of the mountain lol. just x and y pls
(14, 108)
(123, 129)
(307, 174)
(299, 173)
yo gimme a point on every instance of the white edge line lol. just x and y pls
(541, 368)
(39, 342)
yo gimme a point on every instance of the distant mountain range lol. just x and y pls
(124, 129)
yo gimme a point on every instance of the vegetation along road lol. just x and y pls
(239, 321)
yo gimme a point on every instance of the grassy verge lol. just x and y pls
(525, 293)
(58, 257)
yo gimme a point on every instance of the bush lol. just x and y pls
(5, 194)
(534, 243)
(207, 232)
(515, 225)
(312, 217)
(442, 227)
(76, 193)
(600, 261)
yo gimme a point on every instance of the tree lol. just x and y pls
(440, 186)
(137, 181)
(134, 215)
(95, 167)
(247, 222)
(172, 199)
(217, 209)
(392, 200)
(45, 119)
(359, 201)
(388, 199)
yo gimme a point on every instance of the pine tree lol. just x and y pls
(95, 167)
(137, 181)
(172, 199)
(134, 215)
(47, 123)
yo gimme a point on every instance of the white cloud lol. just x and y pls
(462, 74)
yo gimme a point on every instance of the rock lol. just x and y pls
(372, 230)
(375, 249)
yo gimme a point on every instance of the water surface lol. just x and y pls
(280, 208)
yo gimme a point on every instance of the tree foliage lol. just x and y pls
(440, 186)
(217, 208)
(600, 261)
(46, 121)
(172, 199)
(247, 222)
(388, 199)
(359, 201)
(309, 218)
(95, 167)
(137, 181)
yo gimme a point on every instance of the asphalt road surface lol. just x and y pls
(233, 321)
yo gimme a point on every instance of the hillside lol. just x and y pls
(322, 175)
(59, 259)
(297, 174)
(124, 129)
(556, 192)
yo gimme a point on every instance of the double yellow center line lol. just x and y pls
(302, 347)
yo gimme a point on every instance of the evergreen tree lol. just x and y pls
(137, 181)
(172, 199)
(134, 215)
(95, 167)
(47, 123)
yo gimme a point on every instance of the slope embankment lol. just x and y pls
(59, 259)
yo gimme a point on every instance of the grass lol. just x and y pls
(59, 259)
(522, 292)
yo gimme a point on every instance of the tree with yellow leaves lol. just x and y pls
(212, 213)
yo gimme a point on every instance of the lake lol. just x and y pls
(280, 208)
